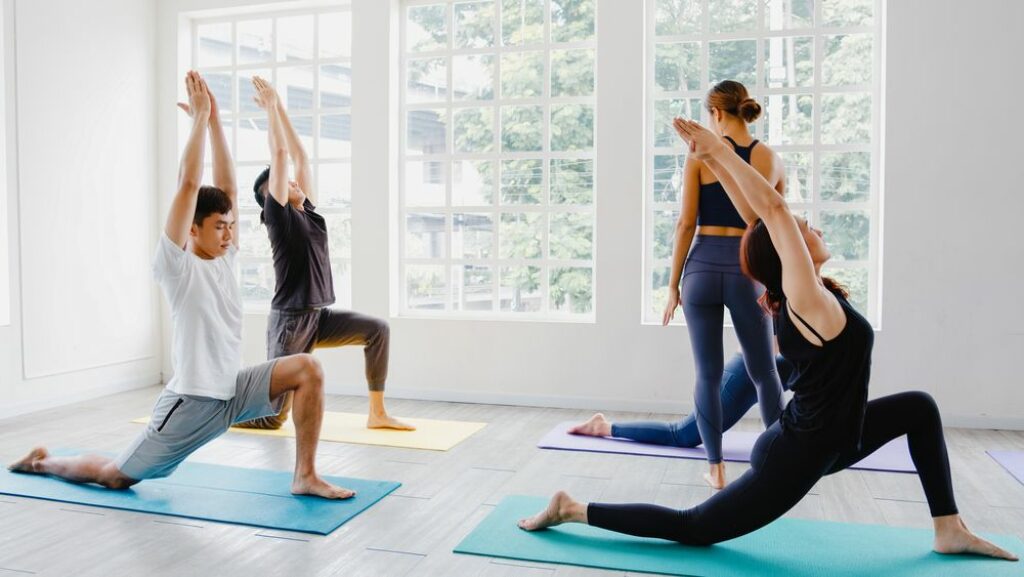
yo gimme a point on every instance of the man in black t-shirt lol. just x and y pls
(300, 319)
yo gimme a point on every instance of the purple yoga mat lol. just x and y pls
(1012, 461)
(736, 446)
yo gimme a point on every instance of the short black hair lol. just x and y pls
(257, 188)
(211, 200)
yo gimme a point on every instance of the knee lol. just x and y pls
(925, 405)
(381, 331)
(312, 371)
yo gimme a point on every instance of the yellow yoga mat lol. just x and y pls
(430, 434)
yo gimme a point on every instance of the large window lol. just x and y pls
(497, 159)
(815, 67)
(307, 56)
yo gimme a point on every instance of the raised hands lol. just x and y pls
(266, 96)
(703, 143)
(200, 100)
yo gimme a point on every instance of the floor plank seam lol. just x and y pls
(383, 550)
(94, 513)
(282, 537)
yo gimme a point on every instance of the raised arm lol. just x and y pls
(303, 171)
(190, 174)
(266, 97)
(800, 280)
(223, 166)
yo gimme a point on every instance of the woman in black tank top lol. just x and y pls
(828, 425)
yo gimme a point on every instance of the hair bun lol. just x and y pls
(749, 109)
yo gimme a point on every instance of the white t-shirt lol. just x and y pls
(206, 309)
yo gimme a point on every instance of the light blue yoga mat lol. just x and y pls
(789, 547)
(255, 497)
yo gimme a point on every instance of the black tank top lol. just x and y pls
(830, 382)
(714, 207)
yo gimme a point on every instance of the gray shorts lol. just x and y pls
(182, 423)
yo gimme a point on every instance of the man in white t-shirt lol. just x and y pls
(194, 265)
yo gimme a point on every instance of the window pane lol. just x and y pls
(571, 236)
(855, 280)
(426, 28)
(789, 61)
(220, 86)
(665, 111)
(668, 177)
(335, 35)
(252, 140)
(255, 41)
(339, 234)
(847, 60)
(252, 236)
(425, 287)
(474, 24)
(572, 127)
(295, 87)
(474, 288)
(847, 12)
(788, 118)
(425, 132)
(334, 185)
(335, 86)
(798, 175)
(847, 233)
(473, 129)
(427, 80)
(472, 183)
(342, 273)
(522, 128)
(522, 181)
(677, 17)
(295, 38)
(572, 181)
(522, 22)
(677, 66)
(472, 235)
(572, 72)
(215, 45)
(572, 290)
(425, 235)
(659, 292)
(473, 77)
(424, 183)
(335, 136)
(787, 14)
(732, 15)
(256, 281)
(572, 20)
(664, 232)
(520, 289)
(733, 60)
(846, 118)
(519, 235)
(246, 92)
(846, 176)
(246, 176)
(522, 74)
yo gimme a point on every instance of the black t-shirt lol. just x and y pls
(302, 264)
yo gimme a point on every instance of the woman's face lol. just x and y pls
(815, 241)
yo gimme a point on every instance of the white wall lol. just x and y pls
(81, 151)
(952, 324)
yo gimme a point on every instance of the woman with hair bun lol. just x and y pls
(709, 229)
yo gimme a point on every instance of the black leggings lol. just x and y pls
(784, 468)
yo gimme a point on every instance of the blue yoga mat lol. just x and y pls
(790, 547)
(255, 497)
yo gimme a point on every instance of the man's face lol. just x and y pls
(213, 237)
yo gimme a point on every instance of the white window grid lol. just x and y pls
(448, 106)
(811, 207)
(255, 240)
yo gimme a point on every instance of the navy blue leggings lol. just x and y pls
(712, 280)
(738, 395)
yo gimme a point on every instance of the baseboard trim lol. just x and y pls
(60, 400)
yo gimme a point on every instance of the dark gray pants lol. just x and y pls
(294, 332)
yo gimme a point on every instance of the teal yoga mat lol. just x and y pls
(255, 497)
(790, 547)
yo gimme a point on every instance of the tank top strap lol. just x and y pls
(806, 324)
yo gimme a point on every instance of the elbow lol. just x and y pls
(188, 183)
(685, 227)
(279, 155)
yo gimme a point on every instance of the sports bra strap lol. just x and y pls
(734, 145)
(806, 324)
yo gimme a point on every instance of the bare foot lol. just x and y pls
(960, 541)
(387, 422)
(560, 510)
(716, 476)
(317, 487)
(597, 426)
(28, 463)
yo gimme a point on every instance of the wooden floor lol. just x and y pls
(443, 496)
